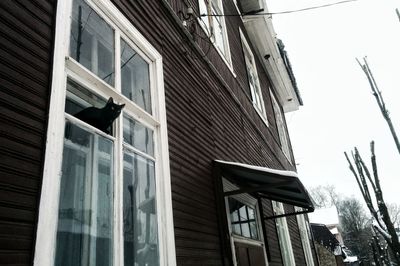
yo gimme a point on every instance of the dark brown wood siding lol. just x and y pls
(210, 116)
(26, 38)
(209, 112)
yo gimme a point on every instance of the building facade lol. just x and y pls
(180, 153)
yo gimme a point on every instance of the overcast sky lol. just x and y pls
(339, 110)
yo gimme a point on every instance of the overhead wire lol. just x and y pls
(280, 12)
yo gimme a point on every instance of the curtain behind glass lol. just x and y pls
(85, 230)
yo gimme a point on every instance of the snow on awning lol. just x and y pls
(263, 182)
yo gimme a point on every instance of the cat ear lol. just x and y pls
(121, 106)
(110, 100)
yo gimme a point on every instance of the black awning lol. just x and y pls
(263, 182)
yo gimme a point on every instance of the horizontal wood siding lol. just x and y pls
(26, 37)
(210, 116)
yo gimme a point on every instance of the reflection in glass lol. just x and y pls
(92, 41)
(85, 226)
(138, 135)
(139, 211)
(135, 79)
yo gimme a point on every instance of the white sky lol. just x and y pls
(339, 110)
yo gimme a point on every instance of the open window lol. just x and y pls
(106, 183)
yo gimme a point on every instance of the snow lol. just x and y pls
(381, 230)
(327, 216)
(261, 168)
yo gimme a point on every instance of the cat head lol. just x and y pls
(113, 109)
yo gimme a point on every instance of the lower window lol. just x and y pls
(245, 228)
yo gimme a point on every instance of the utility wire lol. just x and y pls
(278, 13)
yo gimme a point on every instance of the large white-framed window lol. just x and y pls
(214, 25)
(305, 236)
(252, 76)
(244, 226)
(283, 235)
(280, 124)
(106, 195)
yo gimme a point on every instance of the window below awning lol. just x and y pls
(263, 182)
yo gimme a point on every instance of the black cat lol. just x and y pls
(101, 118)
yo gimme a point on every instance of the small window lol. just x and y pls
(252, 76)
(280, 124)
(214, 24)
(243, 219)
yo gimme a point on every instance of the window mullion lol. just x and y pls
(117, 59)
(119, 166)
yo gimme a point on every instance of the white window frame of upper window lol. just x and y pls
(207, 24)
(283, 235)
(64, 67)
(251, 202)
(280, 124)
(251, 67)
(305, 236)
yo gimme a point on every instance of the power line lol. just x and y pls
(281, 12)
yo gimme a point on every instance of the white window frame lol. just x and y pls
(63, 66)
(280, 124)
(215, 7)
(305, 236)
(251, 202)
(283, 235)
(255, 89)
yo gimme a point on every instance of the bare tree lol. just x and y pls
(324, 196)
(394, 212)
(369, 182)
(355, 227)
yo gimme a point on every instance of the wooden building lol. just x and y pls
(196, 170)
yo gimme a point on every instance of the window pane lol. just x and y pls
(135, 77)
(85, 226)
(139, 211)
(138, 135)
(92, 41)
(253, 230)
(218, 28)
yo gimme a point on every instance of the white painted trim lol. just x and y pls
(49, 199)
(282, 223)
(163, 185)
(305, 238)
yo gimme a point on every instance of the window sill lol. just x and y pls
(245, 240)
(262, 116)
